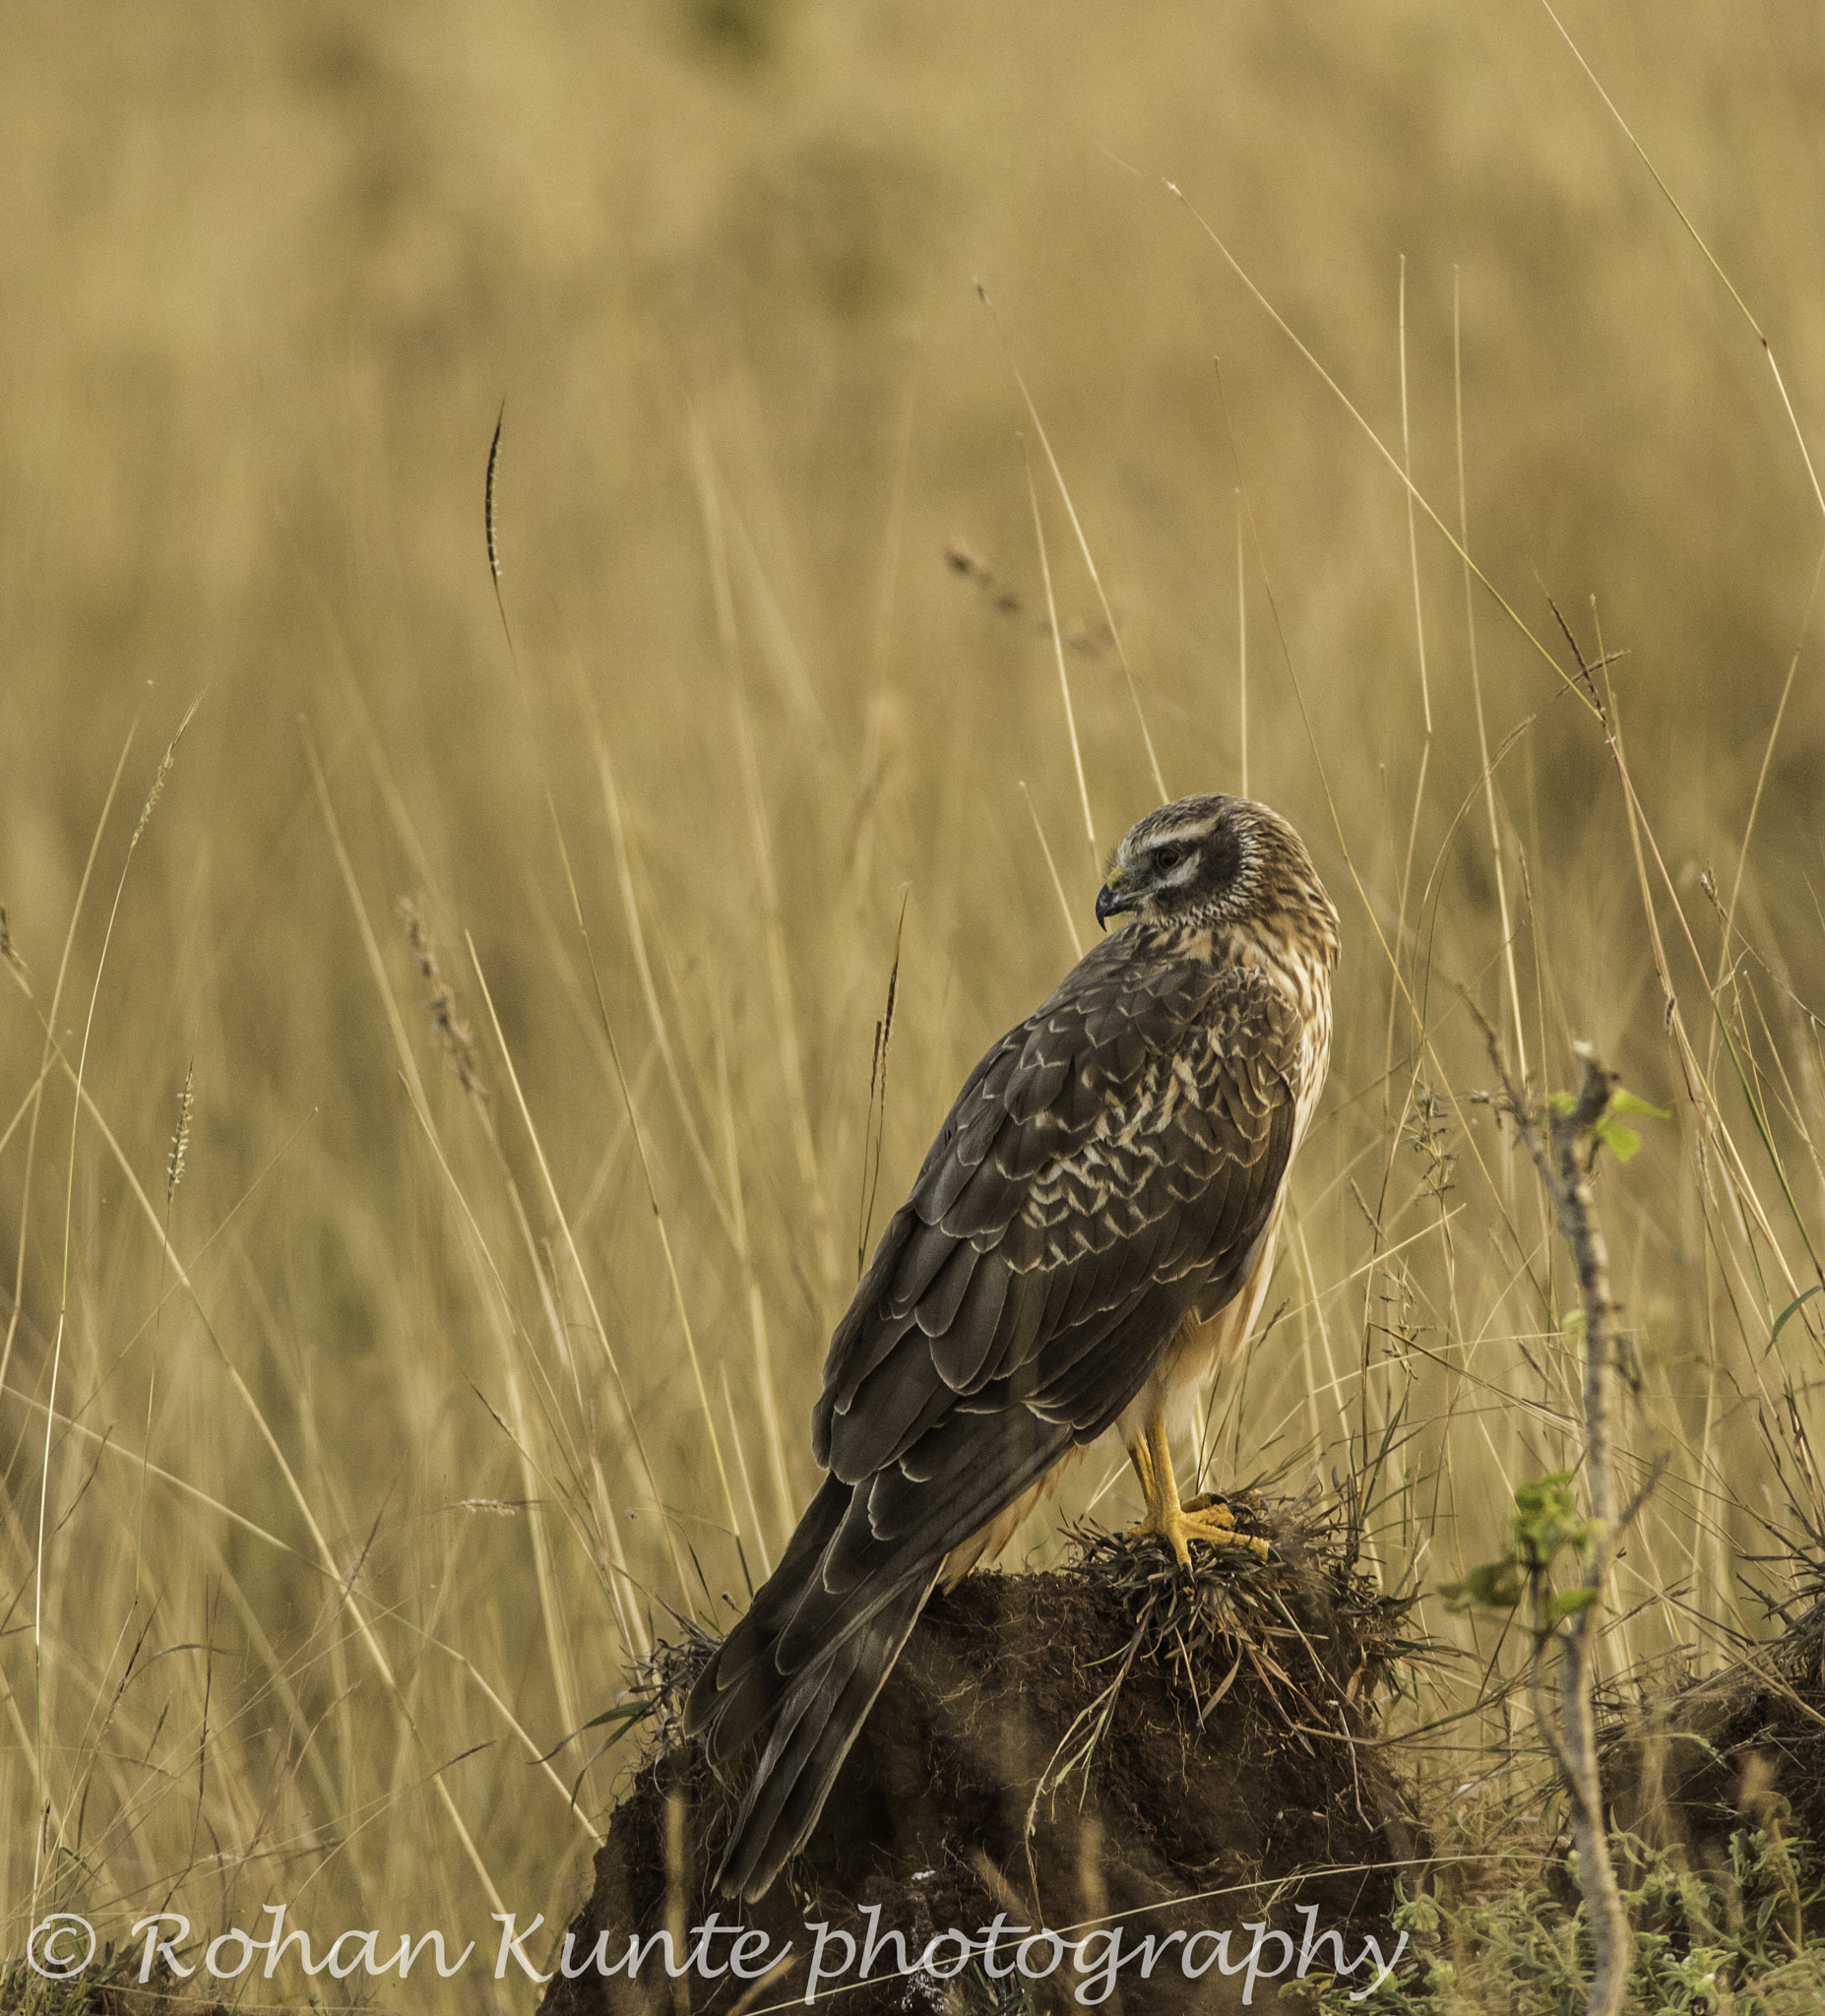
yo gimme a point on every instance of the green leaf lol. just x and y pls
(1548, 1520)
(627, 1713)
(1544, 1494)
(1626, 1102)
(1621, 1142)
(1494, 1586)
(1569, 1601)
(1791, 1310)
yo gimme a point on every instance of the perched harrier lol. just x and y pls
(1091, 1234)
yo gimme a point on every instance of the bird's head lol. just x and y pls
(1218, 862)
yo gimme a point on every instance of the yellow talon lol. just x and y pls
(1201, 1518)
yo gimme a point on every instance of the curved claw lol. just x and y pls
(1201, 1518)
(1205, 1517)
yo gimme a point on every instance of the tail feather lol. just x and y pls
(797, 1677)
(814, 1728)
(737, 1692)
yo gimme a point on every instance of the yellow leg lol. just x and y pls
(1152, 1457)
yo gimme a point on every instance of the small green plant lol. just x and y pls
(1546, 1523)
(1730, 1940)
(999, 1999)
(1607, 1130)
(1564, 1140)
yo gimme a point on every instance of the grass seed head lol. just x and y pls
(453, 1036)
(180, 1141)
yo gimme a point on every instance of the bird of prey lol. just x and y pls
(1091, 1234)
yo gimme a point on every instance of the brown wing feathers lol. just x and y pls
(1111, 1164)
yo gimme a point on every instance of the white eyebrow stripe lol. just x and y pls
(1170, 836)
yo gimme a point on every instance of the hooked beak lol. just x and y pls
(1112, 898)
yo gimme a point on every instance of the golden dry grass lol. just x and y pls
(360, 1498)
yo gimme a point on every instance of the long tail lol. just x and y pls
(798, 1675)
(817, 1718)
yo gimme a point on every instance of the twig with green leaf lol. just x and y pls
(1565, 1139)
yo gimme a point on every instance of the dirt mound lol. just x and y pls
(1115, 1744)
(1701, 1762)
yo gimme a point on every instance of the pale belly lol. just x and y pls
(1197, 1351)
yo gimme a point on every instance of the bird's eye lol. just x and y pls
(1168, 857)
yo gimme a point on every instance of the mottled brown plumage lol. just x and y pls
(1091, 1233)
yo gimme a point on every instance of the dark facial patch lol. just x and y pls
(1211, 831)
(1222, 861)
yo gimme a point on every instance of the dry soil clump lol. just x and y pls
(1112, 1744)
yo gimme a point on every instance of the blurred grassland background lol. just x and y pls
(351, 1506)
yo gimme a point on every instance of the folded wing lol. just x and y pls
(1112, 1163)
